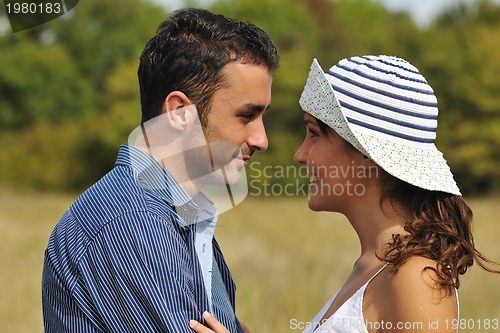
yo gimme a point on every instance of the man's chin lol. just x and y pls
(230, 176)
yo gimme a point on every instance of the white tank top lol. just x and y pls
(349, 317)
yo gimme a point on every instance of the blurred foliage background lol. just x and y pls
(69, 97)
(69, 92)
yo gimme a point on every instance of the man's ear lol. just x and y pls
(173, 102)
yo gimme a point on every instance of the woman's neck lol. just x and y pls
(375, 224)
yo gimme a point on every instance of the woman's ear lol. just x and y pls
(371, 168)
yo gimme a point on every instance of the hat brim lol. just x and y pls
(424, 167)
(319, 100)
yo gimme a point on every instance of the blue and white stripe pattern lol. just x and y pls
(120, 260)
(386, 97)
(385, 108)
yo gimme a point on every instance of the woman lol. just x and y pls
(371, 124)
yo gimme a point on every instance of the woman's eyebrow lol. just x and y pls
(310, 120)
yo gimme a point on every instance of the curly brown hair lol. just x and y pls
(439, 228)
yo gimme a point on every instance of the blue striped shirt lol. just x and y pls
(121, 259)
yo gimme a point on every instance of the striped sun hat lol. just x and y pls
(385, 108)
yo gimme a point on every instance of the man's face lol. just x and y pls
(235, 117)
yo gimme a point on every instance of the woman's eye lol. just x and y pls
(312, 132)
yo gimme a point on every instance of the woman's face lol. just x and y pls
(338, 172)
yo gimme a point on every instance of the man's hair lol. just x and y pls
(188, 53)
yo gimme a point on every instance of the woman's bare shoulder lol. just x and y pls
(411, 295)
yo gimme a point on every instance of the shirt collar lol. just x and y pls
(152, 176)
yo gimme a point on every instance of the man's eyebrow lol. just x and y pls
(254, 107)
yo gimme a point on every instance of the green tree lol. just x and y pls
(101, 33)
(39, 82)
(463, 59)
(69, 93)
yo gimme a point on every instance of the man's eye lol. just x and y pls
(247, 116)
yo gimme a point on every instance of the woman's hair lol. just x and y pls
(439, 228)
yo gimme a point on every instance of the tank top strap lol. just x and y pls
(377, 273)
(458, 307)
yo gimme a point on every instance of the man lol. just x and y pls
(131, 254)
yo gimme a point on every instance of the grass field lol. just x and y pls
(286, 260)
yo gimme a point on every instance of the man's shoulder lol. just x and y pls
(116, 197)
(113, 195)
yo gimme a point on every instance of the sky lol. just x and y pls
(422, 11)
